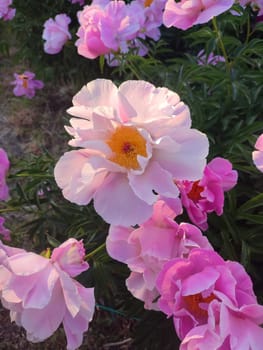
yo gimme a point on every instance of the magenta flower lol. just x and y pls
(80, 2)
(6, 12)
(4, 167)
(205, 291)
(56, 33)
(187, 13)
(4, 232)
(207, 195)
(130, 138)
(25, 84)
(212, 59)
(146, 249)
(257, 155)
(41, 295)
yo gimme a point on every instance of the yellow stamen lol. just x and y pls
(46, 253)
(147, 3)
(24, 79)
(126, 144)
(193, 303)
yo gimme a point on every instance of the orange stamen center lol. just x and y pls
(195, 193)
(147, 3)
(193, 303)
(126, 144)
(24, 79)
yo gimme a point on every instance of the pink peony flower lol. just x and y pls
(207, 195)
(205, 291)
(41, 295)
(4, 167)
(212, 59)
(187, 13)
(130, 138)
(146, 249)
(56, 33)
(25, 84)
(227, 329)
(107, 27)
(257, 155)
(4, 231)
(6, 13)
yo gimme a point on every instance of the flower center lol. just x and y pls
(195, 193)
(24, 79)
(126, 144)
(147, 3)
(193, 304)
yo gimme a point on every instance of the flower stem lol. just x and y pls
(221, 44)
(95, 251)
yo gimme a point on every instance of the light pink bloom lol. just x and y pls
(4, 232)
(130, 138)
(212, 59)
(227, 329)
(56, 33)
(257, 155)
(25, 84)
(41, 295)
(4, 167)
(146, 249)
(187, 13)
(204, 290)
(6, 13)
(207, 194)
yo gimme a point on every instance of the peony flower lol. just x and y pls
(56, 33)
(4, 167)
(6, 13)
(25, 84)
(257, 155)
(107, 28)
(146, 249)
(4, 231)
(41, 295)
(207, 195)
(212, 59)
(129, 138)
(187, 13)
(205, 291)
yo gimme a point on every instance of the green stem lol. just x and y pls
(133, 70)
(30, 175)
(221, 44)
(248, 30)
(95, 251)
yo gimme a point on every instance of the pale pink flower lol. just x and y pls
(187, 13)
(4, 232)
(56, 33)
(212, 59)
(41, 295)
(6, 12)
(207, 194)
(196, 289)
(4, 167)
(146, 249)
(227, 329)
(257, 155)
(130, 138)
(26, 84)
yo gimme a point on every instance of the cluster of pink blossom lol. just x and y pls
(26, 84)
(4, 191)
(186, 13)
(113, 28)
(41, 294)
(6, 12)
(56, 33)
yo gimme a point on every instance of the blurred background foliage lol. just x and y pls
(225, 102)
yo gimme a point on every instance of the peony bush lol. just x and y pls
(154, 210)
